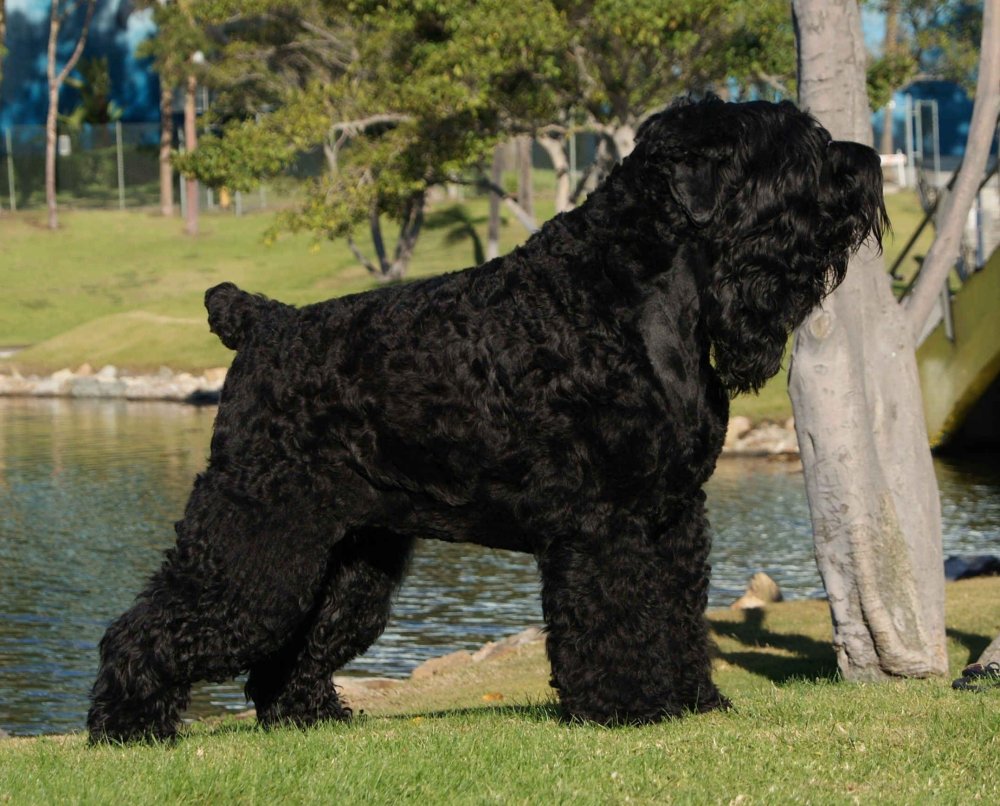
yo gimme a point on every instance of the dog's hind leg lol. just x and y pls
(237, 584)
(295, 685)
(627, 637)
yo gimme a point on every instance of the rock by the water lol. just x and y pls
(761, 591)
(112, 383)
(445, 663)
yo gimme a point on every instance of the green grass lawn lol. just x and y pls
(488, 733)
(125, 288)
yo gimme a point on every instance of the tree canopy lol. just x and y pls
(401, 95)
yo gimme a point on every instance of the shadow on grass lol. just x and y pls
(975, 644)
(802, 657)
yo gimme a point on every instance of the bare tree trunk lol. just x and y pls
(55, 82)
(493, 228)
(870, 482)
(166, 143)
(190, 144)
(409, 232)
(944, 251)
(525, 191)
(890, 48)
(555, 148)
(624, 139)
(50, 155)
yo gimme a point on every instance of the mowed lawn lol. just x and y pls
(490, 733)
(126, 288)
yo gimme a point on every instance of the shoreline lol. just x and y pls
(743, 437)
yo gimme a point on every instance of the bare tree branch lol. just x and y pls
(944, 251)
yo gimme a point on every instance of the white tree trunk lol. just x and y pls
(555, 147)
(493, 228)
(525, 190)
(56, 78)
(870, 482)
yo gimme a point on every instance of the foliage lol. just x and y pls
(404, 94)
(936, 40)
(886, 74)
(94, 86)
(945, 38)
(637, 56)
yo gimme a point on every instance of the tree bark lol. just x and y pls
(55, 82)
(870, 483)
(944, 251)
(555, 147)
(890, 48)
(493, 228)
(190, 144)
(525, 191)
(166, 144)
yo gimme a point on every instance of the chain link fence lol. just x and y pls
(115, 166)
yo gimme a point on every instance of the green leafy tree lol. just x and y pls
(94, 86)
(634, 56)
(924, 40)
(178, 38)
(419, 95)
(402, 95)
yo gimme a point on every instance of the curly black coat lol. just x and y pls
(568, 400)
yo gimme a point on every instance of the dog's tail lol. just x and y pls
(233, 313)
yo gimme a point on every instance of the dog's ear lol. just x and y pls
(685, 154)
(232, 313)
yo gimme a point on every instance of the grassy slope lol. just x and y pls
(126, 288)
(794, 736)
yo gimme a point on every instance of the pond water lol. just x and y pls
(89, 492)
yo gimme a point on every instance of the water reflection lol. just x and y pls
(89, 490)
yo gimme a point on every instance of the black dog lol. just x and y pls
(568, 400)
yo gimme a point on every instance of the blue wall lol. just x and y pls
(115, 33)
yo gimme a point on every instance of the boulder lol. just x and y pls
(446, 663)
(761, 591)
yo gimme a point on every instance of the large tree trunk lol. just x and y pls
(871, 487)
(166, 143)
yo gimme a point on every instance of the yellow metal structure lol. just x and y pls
(956, 373)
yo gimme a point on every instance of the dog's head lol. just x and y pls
(778, 207)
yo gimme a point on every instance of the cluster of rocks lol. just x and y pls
(111, 383)
(743, 438)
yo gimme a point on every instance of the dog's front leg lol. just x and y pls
(624, 606)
